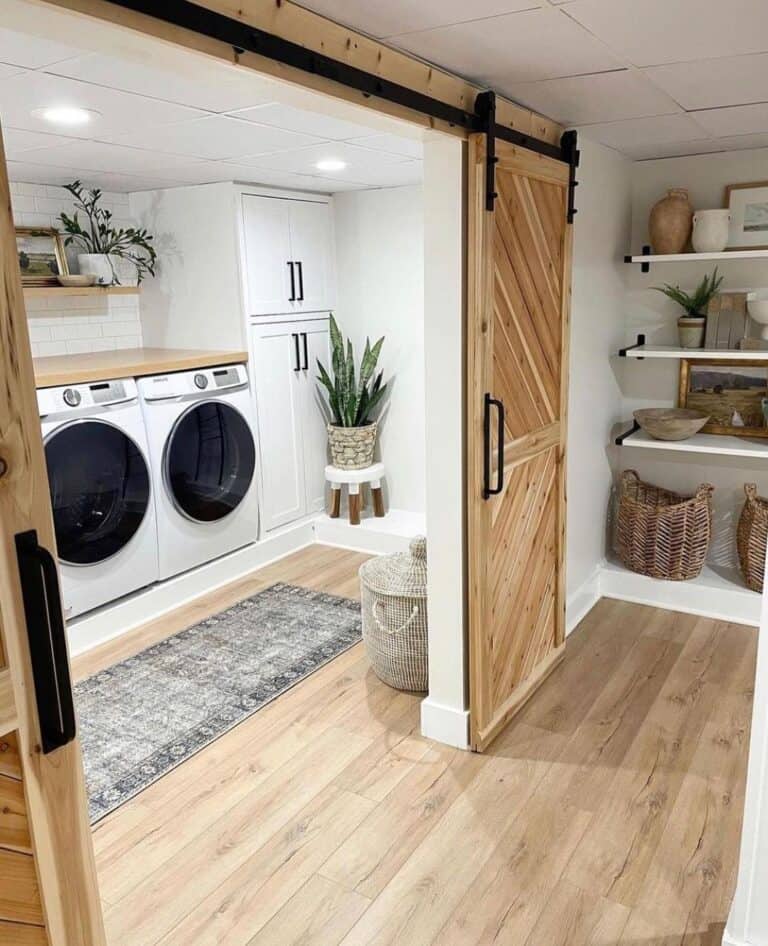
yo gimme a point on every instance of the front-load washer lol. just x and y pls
(101, 491)
(203, 456)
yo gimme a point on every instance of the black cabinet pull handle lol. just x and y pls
(306, 351)
(292, 297)
(47, 641)
(489, 490)
(297, 357)
(301, 281)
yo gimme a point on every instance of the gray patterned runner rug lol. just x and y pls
(144, 716)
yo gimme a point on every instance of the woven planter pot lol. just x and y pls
(660, 533)
(352, 447)
(751, 537)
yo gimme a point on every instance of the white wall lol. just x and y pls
(652, 383)
(601, 237)
(380, 277)
(73, 324)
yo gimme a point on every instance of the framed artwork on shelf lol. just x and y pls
(733, 393)
(41, 256)
(748, 204)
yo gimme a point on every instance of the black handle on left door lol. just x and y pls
(297, 362)
(306, 352)
(47, 641)
(300, 267)
(292, 297)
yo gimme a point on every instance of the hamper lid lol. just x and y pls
(404, 573)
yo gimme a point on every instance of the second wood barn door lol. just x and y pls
(519, 284)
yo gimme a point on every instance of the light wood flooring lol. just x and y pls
(607, 813)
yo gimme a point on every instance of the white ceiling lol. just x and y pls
(650, 78)
(169, 117)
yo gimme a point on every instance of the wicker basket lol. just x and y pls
(394, 608)
(660, 533)
(352, 448)
(751, 537)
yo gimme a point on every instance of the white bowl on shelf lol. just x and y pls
(757, 306)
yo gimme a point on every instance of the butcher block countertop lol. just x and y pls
(55, 370)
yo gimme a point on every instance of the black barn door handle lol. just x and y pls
(489, 490)
(47, 641)
(292, 297)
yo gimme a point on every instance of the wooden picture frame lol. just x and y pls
(722, 404)
(47, 252)
(736, 199)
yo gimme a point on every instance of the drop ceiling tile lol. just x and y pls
(404, 16)
(98, 156)
(663, 31)
(216, 138)
(119, 112)
(642, 152)
(521, 47)
(32, 52)
(19, 142)
(605, 97)
(713, 83)
(298, 119)
(396, 175)
(7, 70)
(184, 78)
(660, 130)
(304, 160)
(393, 144)
(737, 120)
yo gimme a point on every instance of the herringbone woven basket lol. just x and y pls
(751, 537)
(660, 533)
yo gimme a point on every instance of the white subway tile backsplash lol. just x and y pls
(39, 333)
(40, 349)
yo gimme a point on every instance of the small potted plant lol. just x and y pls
(691, 326)
(352, 431)
(106, 248)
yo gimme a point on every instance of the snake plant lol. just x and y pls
(351, 399)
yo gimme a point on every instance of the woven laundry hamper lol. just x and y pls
(752, 536)
(394, 607)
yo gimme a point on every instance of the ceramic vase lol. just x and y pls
(671, 222)
(710, 230)
(98, 265)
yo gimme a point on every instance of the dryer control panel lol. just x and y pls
(85, 398)
(204, 382)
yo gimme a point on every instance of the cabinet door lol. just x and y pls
(266, 235)
(315, 339)
(279, 386)
(311, 249)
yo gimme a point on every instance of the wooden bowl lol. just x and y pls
(77, 279)
(671, 423)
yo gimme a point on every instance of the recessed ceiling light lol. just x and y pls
(331, 164)
(70, 115)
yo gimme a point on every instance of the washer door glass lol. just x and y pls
(209, 461)
(100, 490)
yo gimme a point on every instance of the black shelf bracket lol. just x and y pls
(644, 267)
(571, 154)
(627, 433)
(638, 344)
(485, 109)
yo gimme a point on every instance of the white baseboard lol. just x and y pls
(445, 724)
(373, 536)
(115, 619)
(581, 601)
(711, 595)
(729, 940)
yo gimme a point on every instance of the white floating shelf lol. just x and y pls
(697, 257)
(692, 354)
(702, 443)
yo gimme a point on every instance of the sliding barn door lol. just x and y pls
(519, 288)
(48, 893)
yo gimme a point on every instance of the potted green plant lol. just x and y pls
(352, 430)
(105, 246)
(691, 326)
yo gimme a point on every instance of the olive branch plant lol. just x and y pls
(351, 399)
(101, 236)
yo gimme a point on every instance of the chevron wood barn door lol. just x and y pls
(519, 296)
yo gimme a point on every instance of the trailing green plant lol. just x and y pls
(697, 303)
(352, 400)
(100, 236)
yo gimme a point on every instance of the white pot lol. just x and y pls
(710, 230)
(757, 306)
(98, 265)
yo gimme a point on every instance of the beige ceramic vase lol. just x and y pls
(671, 222)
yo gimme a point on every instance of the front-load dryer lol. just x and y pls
(101, 491)
(203, 455)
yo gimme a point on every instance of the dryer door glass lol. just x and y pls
(100, 490)
(209, 461)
